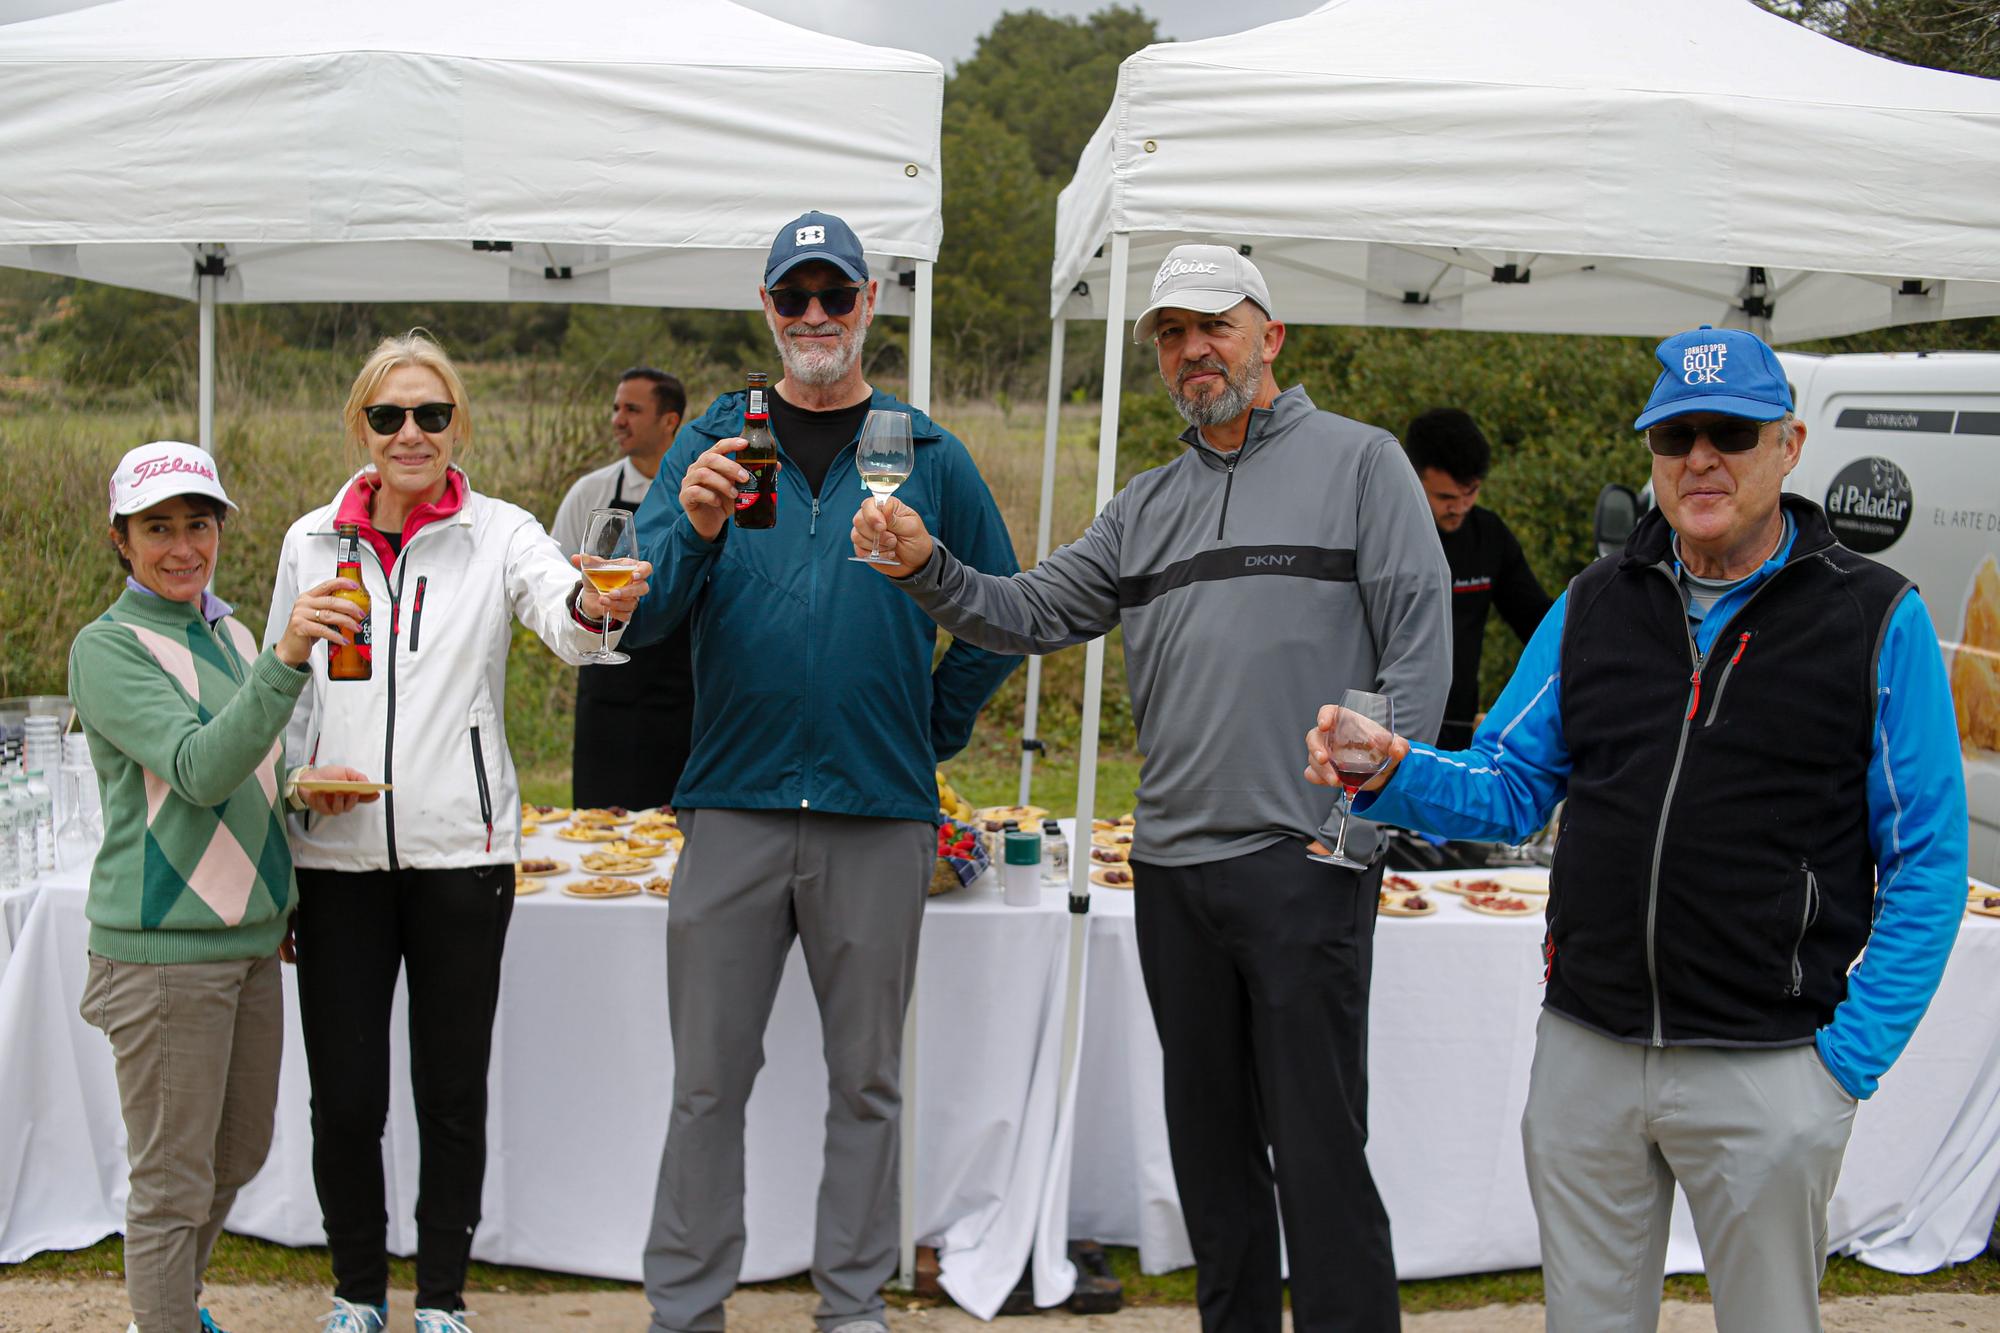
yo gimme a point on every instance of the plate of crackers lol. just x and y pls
(659, 886)
(994, 817)
(610, 863)
(1111, 837)
(523, 886)
(1111, 877)
(543, 814)
(609, 816)
(578, 832)
(601, 887)
(631, 846)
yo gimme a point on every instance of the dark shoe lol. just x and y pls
(1097, 1291)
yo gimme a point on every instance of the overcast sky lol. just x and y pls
(949, 29)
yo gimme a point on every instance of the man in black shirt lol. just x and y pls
(1451, 457)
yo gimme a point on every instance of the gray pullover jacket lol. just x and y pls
(1253, 587)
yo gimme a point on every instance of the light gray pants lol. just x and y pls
(197, 1047)
(851, 890)
(1754, 1137)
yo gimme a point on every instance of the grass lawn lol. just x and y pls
(240, 1260)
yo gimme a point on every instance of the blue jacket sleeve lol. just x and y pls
(681, 559)
(1917, 826)
(1503, 788)
(970, 527)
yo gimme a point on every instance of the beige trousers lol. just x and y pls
(197, 1048)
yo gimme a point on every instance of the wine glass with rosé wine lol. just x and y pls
(1359, 751)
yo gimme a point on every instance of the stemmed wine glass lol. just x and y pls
(884, 457)
(610, 559)
(1359, 751)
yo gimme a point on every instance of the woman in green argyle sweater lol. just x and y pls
(192, 888)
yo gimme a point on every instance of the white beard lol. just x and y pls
(1221, 408)
(813, 365)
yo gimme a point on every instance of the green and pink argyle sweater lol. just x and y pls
(185, 720)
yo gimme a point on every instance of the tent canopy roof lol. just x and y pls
(634, 151)
(1536, 165)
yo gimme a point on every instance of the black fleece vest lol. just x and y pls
(1713, 879)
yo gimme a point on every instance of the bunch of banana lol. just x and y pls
(949, 801)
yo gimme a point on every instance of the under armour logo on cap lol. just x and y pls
(815, 236)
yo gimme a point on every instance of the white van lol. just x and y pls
(1903, 452)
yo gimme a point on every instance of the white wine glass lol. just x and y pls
(884, 456)
(609, 560)
(1359, 751)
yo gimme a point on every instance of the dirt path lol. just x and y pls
(99, 1307)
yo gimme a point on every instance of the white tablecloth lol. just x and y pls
(1451, 1036)
(580, 1089)
(14, 905)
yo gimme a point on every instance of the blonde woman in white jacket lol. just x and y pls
(423, 878)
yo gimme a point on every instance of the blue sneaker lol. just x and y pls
(208, 1323)
(347, 1317)
(443, 1321)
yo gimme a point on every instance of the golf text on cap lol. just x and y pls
(810, 236)
(148, 468)
(1703, 364)
(1174, 268)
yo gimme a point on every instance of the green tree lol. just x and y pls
(1958, 35)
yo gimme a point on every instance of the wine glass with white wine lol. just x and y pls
(884, 456)
(609, 560)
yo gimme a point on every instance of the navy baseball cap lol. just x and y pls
(820, 236)
(1730, 371)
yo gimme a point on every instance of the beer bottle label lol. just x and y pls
(756, 407)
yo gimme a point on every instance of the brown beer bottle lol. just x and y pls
(757, 498)
(354, 660)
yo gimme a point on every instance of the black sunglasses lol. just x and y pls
(791, 302)
(387, 418)
(1675, 439)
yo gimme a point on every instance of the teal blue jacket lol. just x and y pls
(814, 684)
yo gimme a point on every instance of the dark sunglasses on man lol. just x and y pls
(791, 302)
(1730, 435)
(387, 418)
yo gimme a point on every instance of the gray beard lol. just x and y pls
(1224, 407)
(812, 365)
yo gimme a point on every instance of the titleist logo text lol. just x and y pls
(148, 468)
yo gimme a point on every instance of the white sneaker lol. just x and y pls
(861, 1326)
(449, 1321)
(347, 1317)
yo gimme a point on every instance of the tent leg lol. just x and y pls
(205, 362)
(1029, 742)
(1107, 471)
(906, 1264)
(920, 340)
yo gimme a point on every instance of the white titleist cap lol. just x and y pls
(1208, 279)
(161, 470)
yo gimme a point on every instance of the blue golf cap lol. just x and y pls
(811, 236)
(1730, 371)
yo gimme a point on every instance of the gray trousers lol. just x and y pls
(197, 1047)
(1755, 1138)
(851, 890)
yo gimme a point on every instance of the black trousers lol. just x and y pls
(356, 931)
(1257, 971)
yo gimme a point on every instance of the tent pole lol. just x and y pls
(920, 340)
(1030, 743)
(906, 1267)
(205, 363)
(1107, 471)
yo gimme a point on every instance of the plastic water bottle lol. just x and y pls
(24, 829)
(1055, 855)
(42, 802)
(10, 865)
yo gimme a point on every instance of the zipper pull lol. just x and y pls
(1742, 642)
(813, 531)
(1694, 699)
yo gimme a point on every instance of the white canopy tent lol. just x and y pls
(637, 152)
(1528, 165)
(632, 152)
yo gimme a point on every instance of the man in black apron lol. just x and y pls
(632, 720)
